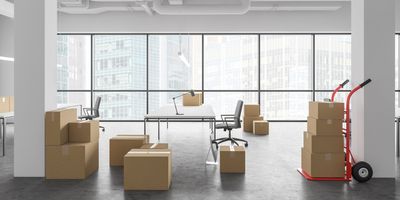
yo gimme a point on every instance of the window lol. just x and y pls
(285, 105)
(122, 105)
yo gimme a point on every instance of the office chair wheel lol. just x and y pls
(246, 144)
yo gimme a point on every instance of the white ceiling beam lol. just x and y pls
(6, 8)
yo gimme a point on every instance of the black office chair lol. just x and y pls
(92, 113)
(227, 124)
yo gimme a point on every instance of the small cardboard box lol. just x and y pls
(11, 104)
(251, 110)
(4, 104)
(232, 159)
(324, 126)
(323, 164)
(326, 110)
(56, 125)
(72, 161)
(147, 169)
(196, 100)
(323, 143)
(83, 131)
(260, 127)
(122, 144)
(155, 146)
(248, 122)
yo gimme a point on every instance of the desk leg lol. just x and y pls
(167, 123)
(4, 136)
(144, 125)
(158, 129)
(214, 129)
(398, 136)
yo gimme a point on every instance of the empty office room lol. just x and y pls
(199, 99)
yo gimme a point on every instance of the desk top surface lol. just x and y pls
(189, 112)
(6, 114)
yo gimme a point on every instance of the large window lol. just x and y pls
(137, 73)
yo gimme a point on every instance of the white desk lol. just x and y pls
(3, 118)
(203, 113)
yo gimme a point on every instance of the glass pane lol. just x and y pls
(120, 62)
(75, 99)
(159, 99)
(122, 105)
(73, 62)
(225, 102)
(286, 62)
(175, 62)
(285, 105)
(332, 61)
(231, 62)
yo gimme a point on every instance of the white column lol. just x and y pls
(373, 56)
(35, 81)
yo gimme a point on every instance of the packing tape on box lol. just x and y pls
(52, 116)
(154, 145)
(329, 121)
(3, 99)
(80, 124)
(331, 105)
(328, 156)
(231, 148)
(64, 150)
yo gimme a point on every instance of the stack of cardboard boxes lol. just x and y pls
(323, 149)
(251, 112)
(189, 100)
(7, 104)
(72, 147)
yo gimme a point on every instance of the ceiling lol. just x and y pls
(196, 7)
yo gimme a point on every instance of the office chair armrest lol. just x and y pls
(226, 115)
(226, 122)
(85, 110)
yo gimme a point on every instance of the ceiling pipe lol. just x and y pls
(6, 8)
(238, 9)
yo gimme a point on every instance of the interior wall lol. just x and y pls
(6, 49)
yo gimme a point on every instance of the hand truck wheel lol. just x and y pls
(362, 172)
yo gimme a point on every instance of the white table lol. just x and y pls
(203, 113)
(3, 117)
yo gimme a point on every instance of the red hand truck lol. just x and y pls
(360, 171)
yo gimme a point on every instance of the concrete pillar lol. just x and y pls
(35, 81)
(373, 56)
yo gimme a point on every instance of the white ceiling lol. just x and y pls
(196, 7)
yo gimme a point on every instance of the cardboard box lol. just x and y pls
(147, 169)
(326, 110)
(324, 126)
(251, 110)
(72, 161)
(248, 122)
(56, 125)
(323, 164)
(83, 131)
(122, 144)
(155, 146)
(11, 104)
(232, 159)
(4, 104)
(260, 127)
(323, 143)
(188, 100)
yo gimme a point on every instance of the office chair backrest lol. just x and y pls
(96, 107)
(238, 112)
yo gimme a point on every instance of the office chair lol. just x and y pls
(92, 113)
(235, 118)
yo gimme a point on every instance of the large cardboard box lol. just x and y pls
(56, 125)
(324, 126)
(326, 110)
(251, 110)
(248, 122)
(260, 127)
(72, 161)
(83, 131)
(196, 100)
(232, 159)
(155, 146)
(322, 164)
(4, 104)
(147, 169)
(122, 144)
(323, 143)
(11, 104)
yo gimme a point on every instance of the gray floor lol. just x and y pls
(270, 171)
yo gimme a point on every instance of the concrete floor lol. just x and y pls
(270, 171)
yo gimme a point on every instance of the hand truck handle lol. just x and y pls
(365, 82)
(344, 83)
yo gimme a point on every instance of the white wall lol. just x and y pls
(6, 49)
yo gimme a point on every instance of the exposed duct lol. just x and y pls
(210, 9)
(6, 8)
